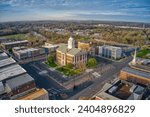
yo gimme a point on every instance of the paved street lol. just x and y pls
(88, 86)
(70, 82)
(45, 81)
(98, 84)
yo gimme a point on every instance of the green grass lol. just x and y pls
(51, 64)
(143, 53)
(16, 36)
(21, 37)
(68, 72)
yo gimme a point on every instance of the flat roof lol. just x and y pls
(14, 42)
(11, 71)
(3, 56)
(48, 45)
(7, 61)
(19, 48)
(34, 95)
(111, 47)
(104, 95)
(27, 50)
(136, 72)
(19, 81)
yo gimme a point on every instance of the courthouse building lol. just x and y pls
(70, 54)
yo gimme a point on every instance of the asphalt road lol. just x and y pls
(42, 81)
(87, 89)
(46, 82)
(98, 84)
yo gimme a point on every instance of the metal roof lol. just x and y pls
(3, 56)
(6, 62)
(136, 72)
(63, 49)
(28, 50)
(139, 90)
(1, 87)
(104, 95)
(74, 51)
(19, 81)
(11, 71)
(15, 42)
(134, 96)
(111, 47)
(19, 48)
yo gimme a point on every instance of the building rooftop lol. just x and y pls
(104, 95)
(63, 49)
(3, 56)
(48, 45)
(34, 95)
(73, 51)
(19, 48)
(111, 47)
(136, 72)
(6, 62)
(1, 87)
(11, 71)
(139, 90)
(28, 50)
(19, 81)
(123, 91)
(134, 96)
(14, 42)
(137, 94)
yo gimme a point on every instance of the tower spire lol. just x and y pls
(134, 58)
(71, 43)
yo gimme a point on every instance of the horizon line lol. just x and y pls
(75, 21)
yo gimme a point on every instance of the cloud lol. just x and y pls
(74, 9)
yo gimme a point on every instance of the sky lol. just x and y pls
(105, 10)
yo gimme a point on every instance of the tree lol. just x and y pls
(70, 65)
(92, 62)
(82, 66)
(10, 50)
(51, 59)
(145, 47)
